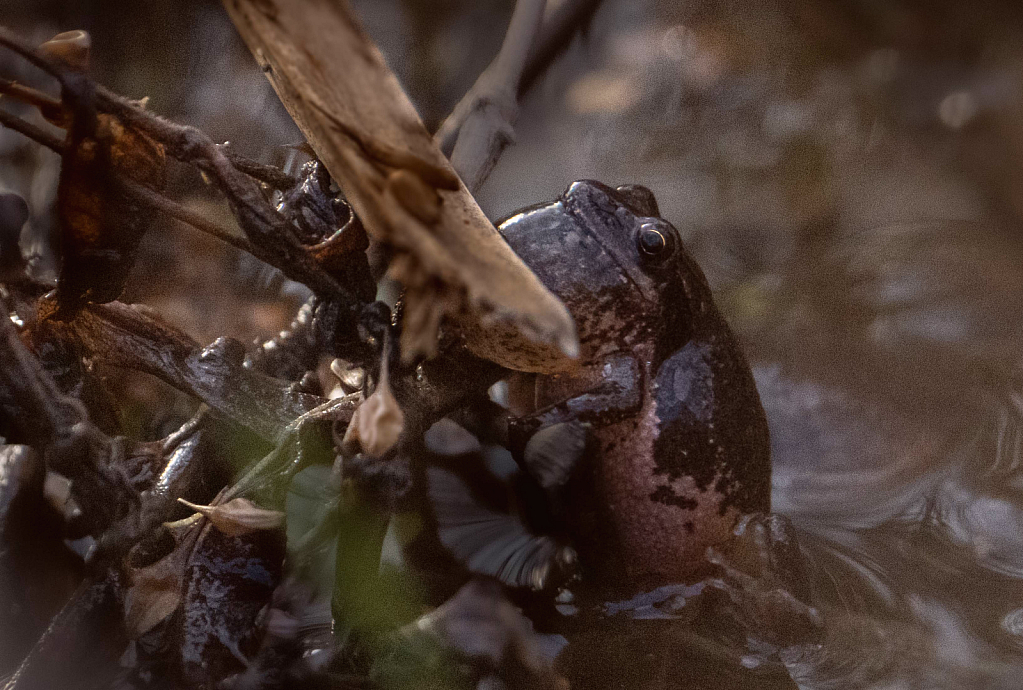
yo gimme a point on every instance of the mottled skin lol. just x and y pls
(679, 441)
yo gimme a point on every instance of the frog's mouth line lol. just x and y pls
(628, 266)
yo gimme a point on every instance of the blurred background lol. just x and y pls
(849, 173)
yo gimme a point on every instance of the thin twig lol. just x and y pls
(271, 175)
(14, 42)
(155, 199)
(29, 96)
(184, 214)
(557, 33)
(481, 125)
(31, 131)
(271, 234)
(136, 190)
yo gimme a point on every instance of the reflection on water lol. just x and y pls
(896, 438)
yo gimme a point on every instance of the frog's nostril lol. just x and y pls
(590, 194)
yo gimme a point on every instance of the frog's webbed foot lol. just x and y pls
(485, 528)
(764, 580)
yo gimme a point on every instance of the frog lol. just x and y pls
(675, 443)
(628, 508)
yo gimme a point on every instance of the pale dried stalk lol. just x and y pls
(357, 118)
(377, 422)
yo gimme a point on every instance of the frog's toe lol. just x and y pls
(732, 574)
(767, 544)
(763, 577)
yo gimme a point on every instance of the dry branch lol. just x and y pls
(357, 118)
(184, 214)
(482, 123)
(125, 336)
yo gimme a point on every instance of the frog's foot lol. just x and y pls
(764, 580)
(491, 516)
(552, 453)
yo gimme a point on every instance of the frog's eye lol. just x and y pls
(655, 241)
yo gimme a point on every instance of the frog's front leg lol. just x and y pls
(601, 393)
(549, 442)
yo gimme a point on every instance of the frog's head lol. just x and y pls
(619, 268)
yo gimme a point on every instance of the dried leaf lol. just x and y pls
(427, 300)
(351, 376)
(238, 516)
(100, 226)
(376, 424)
(334, 82)
(156, 589)
(155, 593)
